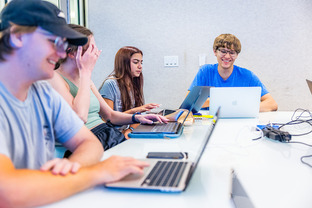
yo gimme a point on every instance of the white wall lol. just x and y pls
(275, 36)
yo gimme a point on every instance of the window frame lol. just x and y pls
(65, 6)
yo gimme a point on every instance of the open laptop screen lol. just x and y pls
(235, 102)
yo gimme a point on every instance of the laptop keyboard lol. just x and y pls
(168, 127)
(165, 174)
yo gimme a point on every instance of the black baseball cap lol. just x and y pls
(40, 13)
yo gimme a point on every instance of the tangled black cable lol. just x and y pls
(301, 114)
(294, 121)
(306, 156)
(298, 120)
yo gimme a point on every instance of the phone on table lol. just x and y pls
(167, 155)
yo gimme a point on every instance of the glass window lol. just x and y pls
(75, 13)
(2, 3)
(56, 2)
(78, 9)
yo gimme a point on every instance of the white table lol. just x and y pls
(269, 171)
(210, 185)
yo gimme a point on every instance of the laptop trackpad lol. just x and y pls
(134, 180)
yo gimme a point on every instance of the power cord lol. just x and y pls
(301, 114)
(306, 156)
(283, 136)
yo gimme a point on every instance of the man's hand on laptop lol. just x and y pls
(151, 118)
(115, 168)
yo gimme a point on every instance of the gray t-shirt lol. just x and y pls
(110, 90)
(29, 129)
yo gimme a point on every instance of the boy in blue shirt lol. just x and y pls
(226, 48)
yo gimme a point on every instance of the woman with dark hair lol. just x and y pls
(72, 80)
(123, 89)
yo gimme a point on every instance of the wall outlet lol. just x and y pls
(171, 61)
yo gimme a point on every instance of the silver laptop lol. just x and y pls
(235, 102)
(167, 175)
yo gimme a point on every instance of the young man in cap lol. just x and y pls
(226, 48)
(32, 115)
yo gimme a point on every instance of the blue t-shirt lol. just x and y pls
(208, 75)
(29, 129)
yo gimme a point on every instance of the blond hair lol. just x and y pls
(227, 41)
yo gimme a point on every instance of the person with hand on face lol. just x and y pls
(33, 116)
(73, 81)
(226, 48)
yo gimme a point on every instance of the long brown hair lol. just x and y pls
(122, 73)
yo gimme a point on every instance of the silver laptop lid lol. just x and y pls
(204, 145)
(235, 102)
